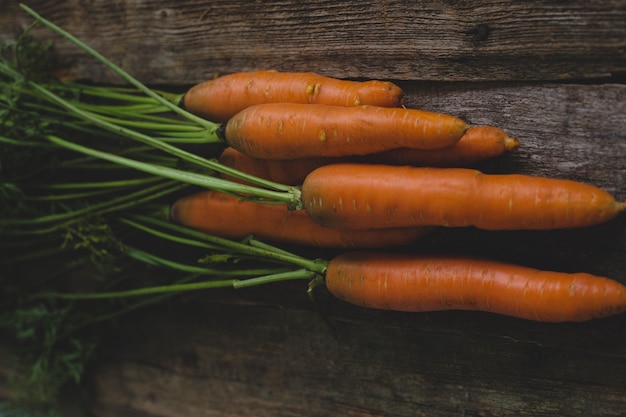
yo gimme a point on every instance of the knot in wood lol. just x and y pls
(480, 32)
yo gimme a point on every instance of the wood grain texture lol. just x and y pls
(270, 360)
(173, 42)
(548, 72)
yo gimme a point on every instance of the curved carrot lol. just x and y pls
(405, 282)
(221, 98)
(372, 196)
(231, 217)
(288, 131)
(477, 144)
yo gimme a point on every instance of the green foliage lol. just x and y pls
(50, 355)
(94, 236)
(86, 173)
(32, 57)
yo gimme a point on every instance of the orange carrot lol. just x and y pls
(231, 217)
(221, 98)
(379, 196)
(477, 144)
(405, 282)
(283, 171)
(288, 131)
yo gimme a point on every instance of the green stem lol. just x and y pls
(292, 197)
(160, 124)
(164, 146)
(64, 220)
(169, 236)
(70, 196)
(266, 253)
(130, 79)
(100, 184)
(102, 207)
(284, 276)
(119, 93)
(178, 288)
(139, 304)
(199, 270)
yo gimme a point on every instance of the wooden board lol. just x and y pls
(173, 42)
(550, 73)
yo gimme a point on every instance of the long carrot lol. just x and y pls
(221, 98)
(231, 217)
(479, 143)
(361, 196)
(288, 131)
(406, 282)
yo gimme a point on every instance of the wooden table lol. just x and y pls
(549, 73)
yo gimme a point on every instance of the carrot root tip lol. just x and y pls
(511, 144)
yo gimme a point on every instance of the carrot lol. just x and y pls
(374, 196)
(221, 98)
(288, 131)
(282, 171)
(477, 144)
(404, 282)
(231, 217)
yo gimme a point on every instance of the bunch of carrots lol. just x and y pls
(313, 160)
(375, 174)
(280, 159)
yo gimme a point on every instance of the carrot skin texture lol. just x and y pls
(358, 196)
(282, 171)
(223, 97)
(231, 217)
(289, 131)
(404, 282)
(479, 143)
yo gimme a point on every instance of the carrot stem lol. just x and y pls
(291, 197)
(285, 276)
(265, 252)
(119, 71)
(199, 270)
(178, 288)
(159, 289)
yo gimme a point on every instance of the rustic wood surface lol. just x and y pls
(550, 73)
(173, 42)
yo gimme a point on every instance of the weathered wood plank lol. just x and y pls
(566, 130)
(265, 351)
(172, 42)
(236, 359)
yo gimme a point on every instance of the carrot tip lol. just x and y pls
(511, 144)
